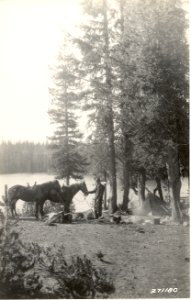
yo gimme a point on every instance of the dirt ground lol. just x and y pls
(141, 258)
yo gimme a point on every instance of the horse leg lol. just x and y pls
(37, 210)
(67, 207)
(13, 207)
(41, 209)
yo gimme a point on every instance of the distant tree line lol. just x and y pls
(23, 157)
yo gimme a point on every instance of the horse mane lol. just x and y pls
(76, 184)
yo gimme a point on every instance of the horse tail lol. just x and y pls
(12, 193)
(12, 197)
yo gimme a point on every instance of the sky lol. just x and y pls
(31, 33)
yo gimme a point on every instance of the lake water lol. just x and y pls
(81, 202)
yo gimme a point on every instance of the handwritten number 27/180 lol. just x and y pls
(164, 290)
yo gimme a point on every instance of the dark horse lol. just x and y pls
(39, 194)
(67, 194)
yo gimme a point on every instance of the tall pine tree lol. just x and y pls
(68, 160)
(96, 71)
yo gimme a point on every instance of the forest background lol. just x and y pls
(128, 71)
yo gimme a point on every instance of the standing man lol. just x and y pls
(99, 190)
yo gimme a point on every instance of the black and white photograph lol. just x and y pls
(94, 149)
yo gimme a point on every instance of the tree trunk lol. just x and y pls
(67, 180)
(174, 183)
(113, 178)
(109, 109)
(126, 179)
(66, 130)
(126, 143)
(126, 169)
(105, 194)
(159, 188)
(141, 186)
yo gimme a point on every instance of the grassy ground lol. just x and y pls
(139, 257)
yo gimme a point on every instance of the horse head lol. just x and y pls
(83, 188)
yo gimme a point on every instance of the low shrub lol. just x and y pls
(28, 270)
